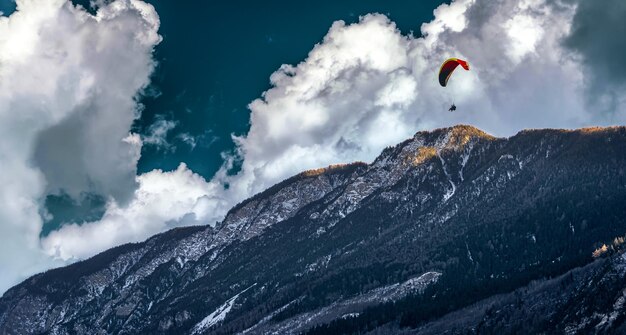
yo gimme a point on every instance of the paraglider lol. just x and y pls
(448, 67)
(445, 71)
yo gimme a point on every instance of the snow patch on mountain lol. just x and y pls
(218, 315)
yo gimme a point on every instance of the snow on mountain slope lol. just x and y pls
(218, 315)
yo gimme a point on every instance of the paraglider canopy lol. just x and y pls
(448, 67)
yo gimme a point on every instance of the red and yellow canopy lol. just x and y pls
(448, 67)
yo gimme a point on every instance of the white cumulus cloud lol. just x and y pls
(68, 82)
(163, 200)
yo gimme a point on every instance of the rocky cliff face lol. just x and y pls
(444, 221)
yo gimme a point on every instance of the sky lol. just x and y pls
(122, 119)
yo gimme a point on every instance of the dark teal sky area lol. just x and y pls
(7, 6)
(216, 57)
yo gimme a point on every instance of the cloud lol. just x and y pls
(157, 133)
(163, 200)
(188, 139)
(68, 87)
(364, 87)
(205, 139)
(597, 38)
(344, 102)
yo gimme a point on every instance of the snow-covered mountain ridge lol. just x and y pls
(326, 247)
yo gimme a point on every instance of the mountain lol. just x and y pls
(452, 231)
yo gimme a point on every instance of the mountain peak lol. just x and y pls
(428, 143)
(464, 129)
(458, 135)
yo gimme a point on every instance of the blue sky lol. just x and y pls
(131, 117)
(217, 57)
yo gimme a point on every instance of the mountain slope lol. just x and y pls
(586, 300)
(435, 224)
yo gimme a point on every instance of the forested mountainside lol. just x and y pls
(452, 230)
